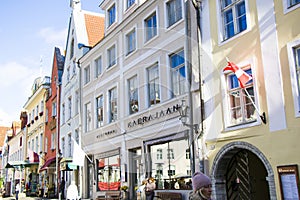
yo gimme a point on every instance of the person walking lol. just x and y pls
(62, 188)
(201, 187)
(149, 188)
(17, 191)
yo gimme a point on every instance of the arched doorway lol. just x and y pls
(241, 171)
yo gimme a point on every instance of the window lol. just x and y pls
(178, 76)
(87, 117)
(130, 3)
(99, 111)
(53, 139)
(54, 109)
(74, 67)
(69, 145)
(77, 136)
(68, 73)
(174, 11)
(294, 63)
(293, 2)
(63, 113)
(46, 145)
(111, 15)
(241, 109)
(108, 173)
(70, 107)
(113, 105)
(153, 85)
(170, 154)
(234, 17)
(63, 146)
(72, 49)
(77, 102)
(133, 95)
(130, 42)
(151, 26)
(98, 66)
(87, 75)
(162, 169)
(159, 154)
(187, 153)
(111, 56)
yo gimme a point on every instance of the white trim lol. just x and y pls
(157, 25)
(133, 29)
(295, 91)
(287, 9)
(271, 65)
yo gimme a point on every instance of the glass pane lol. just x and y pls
(241, 17)
(174, 168)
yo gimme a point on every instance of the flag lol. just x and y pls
(242, 76)
(78, 155)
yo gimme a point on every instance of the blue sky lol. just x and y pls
(29, 31)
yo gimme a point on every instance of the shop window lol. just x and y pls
(108, 173)
(176, 168)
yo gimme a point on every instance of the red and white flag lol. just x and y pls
(242, 76)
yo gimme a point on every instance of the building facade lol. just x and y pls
(133, 83)
(252, 132)
(35, 133)
(85, 29)
(51, 150)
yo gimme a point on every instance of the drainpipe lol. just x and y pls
(188, 63)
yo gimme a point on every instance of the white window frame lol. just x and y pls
(295, 88)
(87, 74)
(113, 108)
(99, 123)
(130, 41)
(156, 65)
(98, 66)
(111, 61)
(168, 25)
(181, 83)
(287, 7)
(126, 3)
(109, 23)
(226, 103)
(221, 33)
(150, 16)
(133, 88)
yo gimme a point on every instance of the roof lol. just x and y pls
(3, 130)
(94, 27)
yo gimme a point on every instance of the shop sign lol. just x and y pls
(159, 114)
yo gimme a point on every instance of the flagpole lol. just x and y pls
(263, 115)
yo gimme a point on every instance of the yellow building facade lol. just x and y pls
(246, 156)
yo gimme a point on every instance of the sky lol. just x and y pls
(29, 32)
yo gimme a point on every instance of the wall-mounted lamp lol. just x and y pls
(184, 111)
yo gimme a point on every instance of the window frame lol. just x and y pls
(291, 46)
(148, 38)
(229, 125)
(113, 105)
(287, 7)
(98, 66)
(111, 17)
(177, 18)
(181, 83)
(87, 74)
(131, 41)
(111, 58)
(157, 100)
(132, 90)
(99, 106)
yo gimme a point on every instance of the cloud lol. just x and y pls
(52, 36)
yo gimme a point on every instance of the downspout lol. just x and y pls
(188, 54)
(197, 6)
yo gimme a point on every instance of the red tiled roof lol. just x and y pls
(95, 28)
(3, 130)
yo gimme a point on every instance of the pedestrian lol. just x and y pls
(149, 188)
(17, 191)
(201, 187)
(62, 188)
(72, 192)
(141, 190)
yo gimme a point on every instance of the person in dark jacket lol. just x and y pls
(201, 187)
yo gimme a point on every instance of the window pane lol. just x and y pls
(241, 17)
(108, 173)
(169, 164)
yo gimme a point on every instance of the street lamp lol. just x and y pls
(186, 115)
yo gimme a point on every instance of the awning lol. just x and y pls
(67, 165)
(47, 163)
(19, 163)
